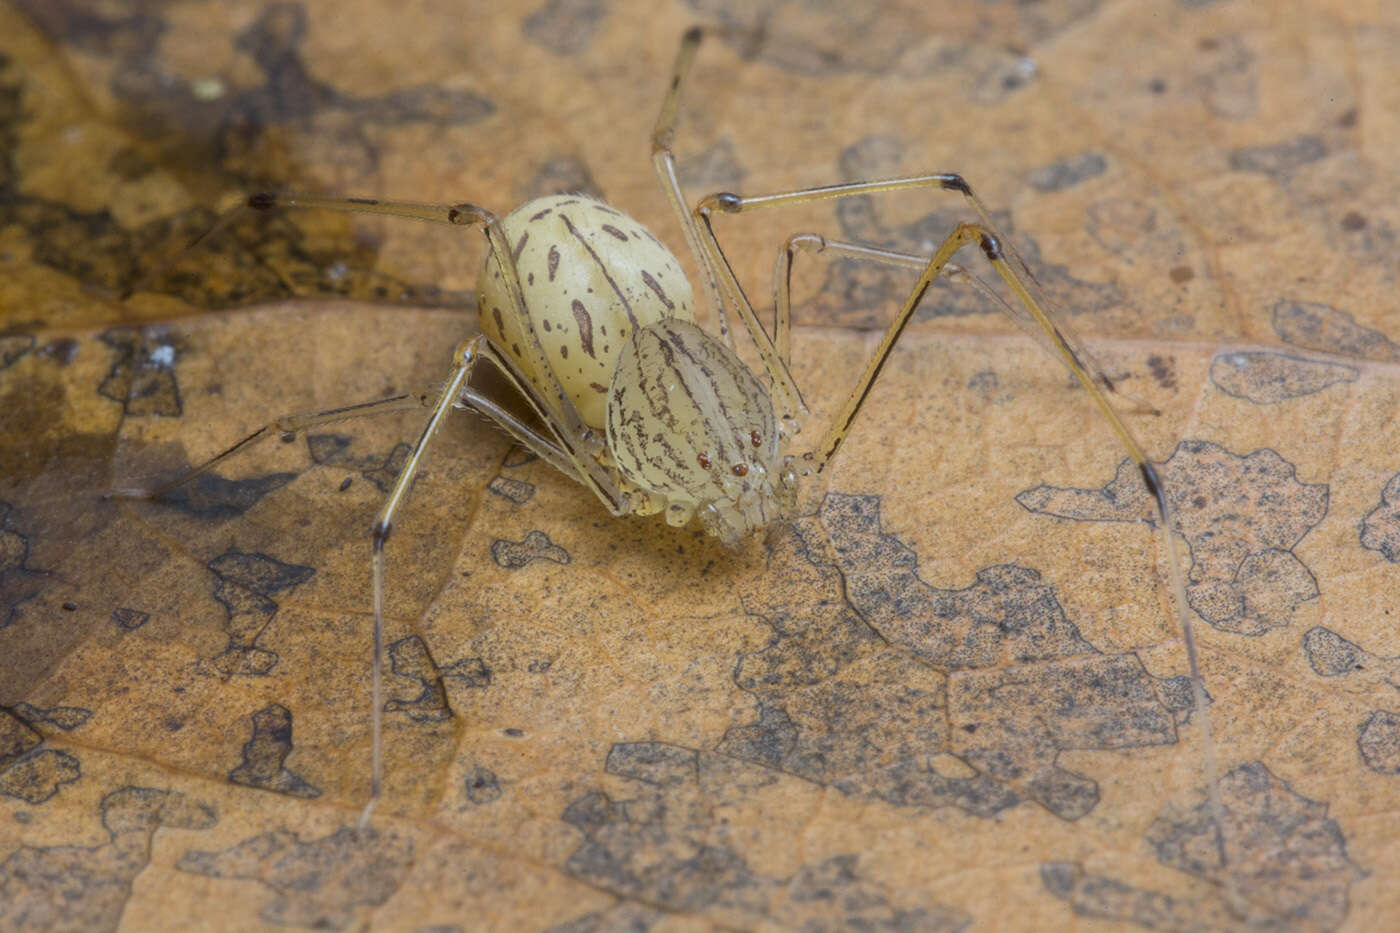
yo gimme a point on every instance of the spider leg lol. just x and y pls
(285, 427)
(1051, 334)
(999, 253)
(574, 438)
(222, 223)
(722, 286)
(466, 358)
(571, 447)
(464, 361)
(456, 391)
(816, 244)
(548, 444)
(663, 160)
(785, 389)
(543, 447)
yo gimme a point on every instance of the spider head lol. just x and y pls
(732, 519)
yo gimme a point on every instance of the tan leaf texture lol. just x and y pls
(949, 693)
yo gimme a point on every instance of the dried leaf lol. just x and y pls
(950, 693)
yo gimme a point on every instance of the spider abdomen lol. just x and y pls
(590, 276)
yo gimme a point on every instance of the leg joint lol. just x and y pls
(955, 182)
(991, 246)
(467, 214)
(465, 352)
(725, 202)
(805, 242)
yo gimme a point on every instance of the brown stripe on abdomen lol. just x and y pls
(585, 327)
(655, 286)
(603, 268)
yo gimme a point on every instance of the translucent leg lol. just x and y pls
(535, 442)
(225, 220)
(1016, 277)
(285, 427)
(1050, 333)
(546, 447)
(786, 393)
(464, 361)
(664, 161)
(816, 244)
(456, 392)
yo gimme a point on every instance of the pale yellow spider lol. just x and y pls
(591, 321)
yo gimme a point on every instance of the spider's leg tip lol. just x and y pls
(362, 825)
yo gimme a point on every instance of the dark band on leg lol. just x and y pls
(956, 183)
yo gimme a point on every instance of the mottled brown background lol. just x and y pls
(948, 696)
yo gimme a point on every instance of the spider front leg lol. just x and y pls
(455, 392)
(465, 360)
(663, 160)
(997, 251)
(786, 392)
(1013, 271)
(816, 244)
(285, 427)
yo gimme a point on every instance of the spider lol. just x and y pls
(591, 321)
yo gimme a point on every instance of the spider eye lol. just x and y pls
(703, 460)
(756, 438)
(740, 469)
